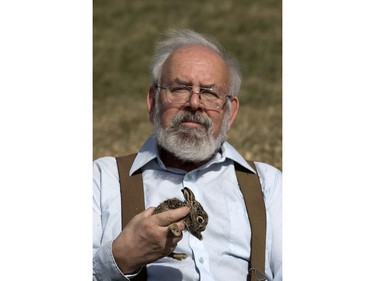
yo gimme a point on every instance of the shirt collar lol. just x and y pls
(149, 151)
(230, 152)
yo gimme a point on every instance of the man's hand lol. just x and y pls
(147, 238)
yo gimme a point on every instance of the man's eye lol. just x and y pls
(177, 90)
(209, 95)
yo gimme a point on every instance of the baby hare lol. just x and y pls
(195, 222)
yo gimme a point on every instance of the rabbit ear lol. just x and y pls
(188, 194)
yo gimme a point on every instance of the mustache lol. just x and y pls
(197, 117)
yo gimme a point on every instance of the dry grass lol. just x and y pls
(125, 33)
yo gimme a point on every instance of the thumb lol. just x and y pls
(168, 217)
(144, 214)
(148, 212)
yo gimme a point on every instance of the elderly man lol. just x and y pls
(192, 104)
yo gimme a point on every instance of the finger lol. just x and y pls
(148, 212)
(168, 217)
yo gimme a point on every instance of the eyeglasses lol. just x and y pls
(181, 94)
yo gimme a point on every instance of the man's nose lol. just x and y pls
(195, 100)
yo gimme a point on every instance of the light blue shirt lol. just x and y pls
(224, 252)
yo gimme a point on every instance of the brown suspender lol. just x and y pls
(256, 211)
(133, 203)
(132, 200)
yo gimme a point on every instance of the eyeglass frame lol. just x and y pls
(190, 88)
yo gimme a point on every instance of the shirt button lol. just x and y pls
(201, 260)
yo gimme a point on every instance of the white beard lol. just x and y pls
(186, 143)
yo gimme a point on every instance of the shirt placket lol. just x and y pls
(200, 254)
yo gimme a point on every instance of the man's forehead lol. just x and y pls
(195, 51)
(189, 83)
(189, 62)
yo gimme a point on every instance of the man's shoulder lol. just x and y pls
(271, 181)
(106, 163)
(265, 168)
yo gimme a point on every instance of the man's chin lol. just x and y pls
(191, 152)
(187, 157)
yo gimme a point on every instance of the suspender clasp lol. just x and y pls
(259, 275)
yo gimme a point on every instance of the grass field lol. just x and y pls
(125, 33)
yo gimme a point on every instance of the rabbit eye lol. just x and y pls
(200, 219)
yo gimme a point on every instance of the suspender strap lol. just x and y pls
(132, 197)
(132, 202)
(250, 187)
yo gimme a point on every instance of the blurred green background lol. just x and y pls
(125, 33)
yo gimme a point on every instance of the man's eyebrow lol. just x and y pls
(179, 81)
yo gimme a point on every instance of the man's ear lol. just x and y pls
(234, 110)
(151, 102)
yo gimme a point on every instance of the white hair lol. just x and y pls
(177, 39)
